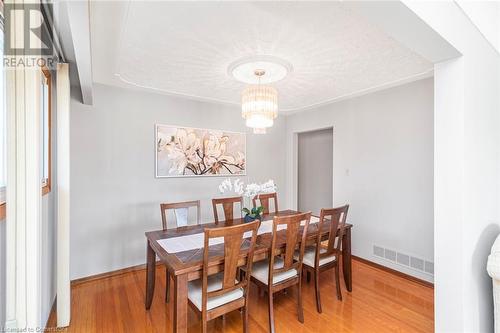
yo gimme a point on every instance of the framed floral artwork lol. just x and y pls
(187, 152)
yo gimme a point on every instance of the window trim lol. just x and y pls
(47, 183)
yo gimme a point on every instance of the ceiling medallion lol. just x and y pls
(259, 101)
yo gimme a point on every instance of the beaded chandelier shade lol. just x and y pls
(259, 105)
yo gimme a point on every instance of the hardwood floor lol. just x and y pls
(380, 302)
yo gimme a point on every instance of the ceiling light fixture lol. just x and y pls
(259, 105)
(259, 101)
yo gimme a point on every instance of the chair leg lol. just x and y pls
(245, 319)
(300, 311)
(271, 311)
(204, 325)
(316, 289)
(167, 283)
(337, 282)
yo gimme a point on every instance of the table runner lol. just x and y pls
(196, 241)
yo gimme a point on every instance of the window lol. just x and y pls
(45, 107)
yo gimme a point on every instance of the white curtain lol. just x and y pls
(23, 235)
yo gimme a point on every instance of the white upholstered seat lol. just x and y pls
(214, 283)
(260, 271)
(309, 256)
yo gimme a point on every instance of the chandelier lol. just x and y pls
(259, 105)
(259, 101)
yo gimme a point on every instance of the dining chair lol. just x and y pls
(181, 213)
(228, 207)
(264, 201)
(282, 270)
(217, 294)
(322, 256)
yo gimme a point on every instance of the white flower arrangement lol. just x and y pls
(249, 191)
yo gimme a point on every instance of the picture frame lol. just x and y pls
(182, 151)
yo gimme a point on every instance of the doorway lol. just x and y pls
(315, 170)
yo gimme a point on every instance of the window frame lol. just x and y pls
(47, 182)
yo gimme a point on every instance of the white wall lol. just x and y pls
(115, 195)
(382, 167)
(470, 87)
(486, 16)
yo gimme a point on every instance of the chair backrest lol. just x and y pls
(228, 206)
(337, 217)
(238, 240)
(264, 201)
(181, 212)
(295, 237)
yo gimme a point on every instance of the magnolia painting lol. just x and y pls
(185, 151)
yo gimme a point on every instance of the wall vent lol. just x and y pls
(429, 267)
(390, 255)
(417, 263)
(404, 259)
(378, 251)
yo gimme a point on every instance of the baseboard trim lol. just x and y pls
(118, 272)
(141, 267)
(394, 272)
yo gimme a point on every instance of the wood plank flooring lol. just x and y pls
(380, 302)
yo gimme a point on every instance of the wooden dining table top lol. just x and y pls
(191, 261)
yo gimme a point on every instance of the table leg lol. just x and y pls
(150, 275)
(346, 258)
(181, 303)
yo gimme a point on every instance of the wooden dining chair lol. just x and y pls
(218, 294)
(281, 270)
(264, 201)
(322, 257)
(181, 213)
(228, 206)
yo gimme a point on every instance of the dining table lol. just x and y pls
(181, 251)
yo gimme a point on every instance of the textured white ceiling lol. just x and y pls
(185, 48)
